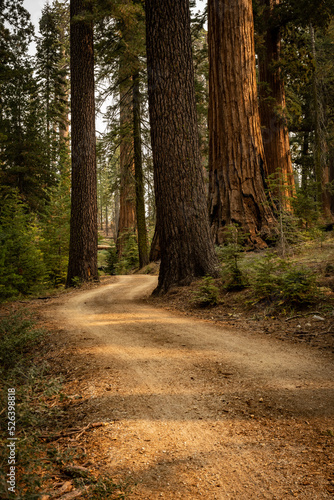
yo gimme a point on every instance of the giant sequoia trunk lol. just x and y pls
(182, 222)
(237, 165)
(127, 209)
(83, 232)
(272, 113)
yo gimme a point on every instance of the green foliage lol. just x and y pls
(111, 261)
(22, 269)
(265, 281)
(305, 207)
(298, 286)
(207, 293)
(129, 259)
(76, 282)
(23, 153)
(230, 254)
(282, 282)
(106, 488)
(55, 233)
(17, 332)
(130, 252)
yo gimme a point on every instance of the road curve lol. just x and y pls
(200, 411)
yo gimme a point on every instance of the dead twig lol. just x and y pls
(302, 315)
(79, 432)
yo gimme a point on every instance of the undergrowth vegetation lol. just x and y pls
(128, 261)
(266, 279)
(39, 399)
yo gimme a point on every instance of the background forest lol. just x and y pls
(292, 195)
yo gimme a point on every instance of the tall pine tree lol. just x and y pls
(187, 249)
(83, 230)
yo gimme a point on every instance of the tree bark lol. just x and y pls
(237, 165)
(155, 252)
(182, 222)
(127, 208)
(83, 226)
(321, 162)
(272, 113)
(140, 201)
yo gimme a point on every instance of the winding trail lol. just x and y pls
(198, 410)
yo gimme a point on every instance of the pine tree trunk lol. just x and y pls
(182, 222)
(155, 252)
(237, 165)
(272, 114)
(83, 230)
(140, 201)
(127, 208)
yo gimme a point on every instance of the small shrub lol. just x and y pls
(298, 286)
(233, 277)
(207, 293)
(111, 261)
(305, 208)
(129, 259)
(265, 282)
(76, 282)
(283, 283)
(130, 252)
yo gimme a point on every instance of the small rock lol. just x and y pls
(318, 318)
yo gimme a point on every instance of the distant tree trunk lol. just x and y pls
(127, 207)
(321, 165)
(155, 253)
(140, 201)
(116, 212)
(331, 180)
(237, 165)
(107, 223)
(182, 222)
(272, 113)
(83, 228)
(64, 123)
(304, 156)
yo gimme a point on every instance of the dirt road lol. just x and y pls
(196, 411)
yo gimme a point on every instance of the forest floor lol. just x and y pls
(213, 403)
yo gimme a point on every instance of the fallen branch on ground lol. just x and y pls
(79, 432)
(302, 315)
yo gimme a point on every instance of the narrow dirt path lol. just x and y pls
(197, 411)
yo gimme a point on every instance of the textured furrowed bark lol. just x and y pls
(83, 234)
(182, 221)
(127, 210)
(236, 156)
(272, 114)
